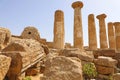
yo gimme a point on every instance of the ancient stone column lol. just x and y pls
(59, 29)
(92, 32)
(117, 36)
(102, 31)
(78, 33)
(111, 35)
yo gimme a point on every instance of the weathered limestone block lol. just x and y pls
(107, 53)
(111, 36)
(24, 53)
(117, 57)
(103, 38)
(117, 36)
(104, 70)
(5, 37)
(50, 44)
(59, 30)
(53, 53)
(68, 45)
(31, 32)
(31, 72)
(4, 66)
(78, 33)
(92, 32)
(116, 76)
(63, 68)
(105, 61)
(74, 52)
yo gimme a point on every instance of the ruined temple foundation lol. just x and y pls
(103, 38)
(92, 32)
(117, 36)
(111, 36)
(78, 33)
(59, 30)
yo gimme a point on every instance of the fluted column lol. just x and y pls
(59, 29)
(111, 35)
(78, 33)
(102, 31)
(92, 32)
(117, 36)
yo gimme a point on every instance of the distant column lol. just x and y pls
(92, 32)
(111, 35)
(59, 29)
(117, 36)
(78, 33)
(103, 38)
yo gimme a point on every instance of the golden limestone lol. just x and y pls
(111, 35)
(103, 38)
(59, 30)
(78, 33)
(92, 32)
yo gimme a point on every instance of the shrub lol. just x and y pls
(89, 70)
(27, 78)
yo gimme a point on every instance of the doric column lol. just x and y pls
(59, 29)
(111, 35)
(78, 33)
(117, 36)
(92, 32)
(102, 31)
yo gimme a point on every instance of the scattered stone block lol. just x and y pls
(104, 70)
(105, 61)
(5, 63)
(63, 68)
(116, 76)
(75, 52)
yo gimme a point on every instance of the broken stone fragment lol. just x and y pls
(4, 66)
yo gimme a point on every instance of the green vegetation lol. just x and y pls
(89, 71)
(27, 78)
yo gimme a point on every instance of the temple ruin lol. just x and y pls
(29, 54)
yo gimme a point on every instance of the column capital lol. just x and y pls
(116, 23)
(91, 16)
(101, 16)
(77, 4)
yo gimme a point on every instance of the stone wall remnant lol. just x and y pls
(31, 32)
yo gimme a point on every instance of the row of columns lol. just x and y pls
(113, 30)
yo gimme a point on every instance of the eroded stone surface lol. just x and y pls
(31, 32)
(74, 52)
(104, 70)
(105, 61)
(5, 37)
(63, 68)
(116, 76)
(4, 66)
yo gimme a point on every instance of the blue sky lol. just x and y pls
(17, 14)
